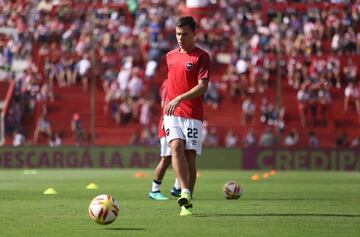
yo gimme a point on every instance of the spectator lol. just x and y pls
(135, 85)
(55, 140)
(248, 110)
(313, 141)
(303, 98)
(277, 118)
(123, 112)
(250, 138)
(212, 96)
(145, 111)
(145, 137)
(350, 72)
(355, 143)
(324, 102)
(351, 96)
(292, 138)
(342, 141)
(266, 109)
(205, 132)
(82, 70)
(78, 129)
(19, 138)
(236, 80)
(212, 139)
(267, 138)
(231, 139)
(43, 127)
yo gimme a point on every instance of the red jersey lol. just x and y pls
(163, 93)
(184, 72)
(161, 130)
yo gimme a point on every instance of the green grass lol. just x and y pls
(287, 204)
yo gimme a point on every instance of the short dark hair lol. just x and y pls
(186, 21)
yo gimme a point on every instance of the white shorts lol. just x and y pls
(164, 147)
(189, 130)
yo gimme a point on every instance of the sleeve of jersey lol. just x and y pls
(204, 67)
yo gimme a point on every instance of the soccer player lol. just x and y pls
(161, 168)
(188, 76)
(165, 159)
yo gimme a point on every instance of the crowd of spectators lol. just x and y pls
(132, 37)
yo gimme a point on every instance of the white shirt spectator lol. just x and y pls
(352, 91)
(145, 113)
(83, 66)
(151, 69)
(19, 139)
(231, 139)
(250, 139)
(135, 87)
(291, 139)
(249, 107)
(241, 66)
(123, 79)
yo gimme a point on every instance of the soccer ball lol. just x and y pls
(232, 190)
(104, 209)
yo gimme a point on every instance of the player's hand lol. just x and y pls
(172, 105)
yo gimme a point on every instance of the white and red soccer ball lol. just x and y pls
(104, 209)
(232, 190)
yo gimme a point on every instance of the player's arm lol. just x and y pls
(196, 91)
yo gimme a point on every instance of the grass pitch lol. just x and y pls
(287, 204)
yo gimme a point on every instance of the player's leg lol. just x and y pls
(176, 189)
(176, 138)
(191, 160)
(179, 163)
(193, 147)
(160, 171)
(181, 169)
(159, 175)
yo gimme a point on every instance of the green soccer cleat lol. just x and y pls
(184, 200)
(175, 192)
(185, 211)
(157, 196)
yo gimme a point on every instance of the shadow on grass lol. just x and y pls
(290, 199)
(119, 228)
(279, 214)
(273, 199)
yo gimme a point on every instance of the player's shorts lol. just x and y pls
(164, 147)
(189, 130)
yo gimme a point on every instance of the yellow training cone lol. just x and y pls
(266, 175)
(92, 186)
(255, 177)
(273, 172)
(50, 191)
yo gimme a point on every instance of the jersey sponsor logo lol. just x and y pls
(193, 142)
(167, 132)
(189, 66)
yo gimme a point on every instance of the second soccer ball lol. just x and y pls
(232, 190)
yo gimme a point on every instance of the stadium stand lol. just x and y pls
(241, 36)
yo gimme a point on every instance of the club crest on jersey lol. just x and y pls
(189, 66)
